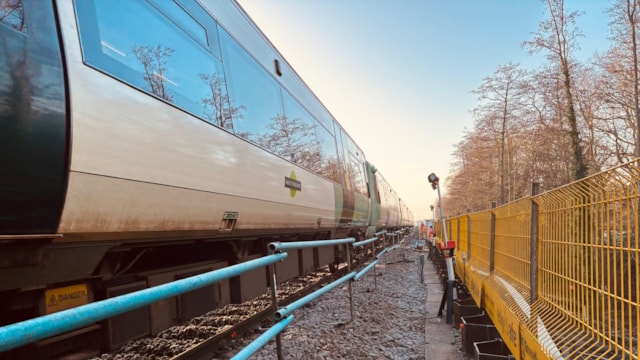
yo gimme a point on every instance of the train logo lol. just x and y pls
(292, 183)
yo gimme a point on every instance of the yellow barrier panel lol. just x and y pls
(529, 347)
(512, 258)
(589, 265)
(462, 250)
(505, 320)
(473, 280)
(479, 253)
(584, 284)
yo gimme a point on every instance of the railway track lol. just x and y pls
(208, 349)
(206, 336)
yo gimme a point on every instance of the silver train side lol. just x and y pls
(136, 148)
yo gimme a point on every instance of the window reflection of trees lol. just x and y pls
(355, 166)
(218, 108)
(295, 140)
(253, 88)
(153, 60)
(216, 104)
(329, 166)
(290, 139)
(357, 176)
(331, 169)
(12, 14)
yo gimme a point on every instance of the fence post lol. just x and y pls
(375, 275)
(350, 288)
(464, 268)
(274, 299)
(421, 268)
(533, 275)
(492, 237)
(468, 237)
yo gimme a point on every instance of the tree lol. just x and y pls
(558, 36)
(548, 149)
(499, 96)
(589, 106)
(472, 183)
(617, 109)
(625, 15)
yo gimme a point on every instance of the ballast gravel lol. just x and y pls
(389, 315)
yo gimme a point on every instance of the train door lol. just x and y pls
(374, 196)
(345, 208)
(355, 163)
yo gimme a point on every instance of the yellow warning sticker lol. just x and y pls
(65, 298)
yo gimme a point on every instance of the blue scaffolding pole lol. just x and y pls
(25, 332)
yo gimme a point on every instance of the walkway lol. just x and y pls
(441, 339)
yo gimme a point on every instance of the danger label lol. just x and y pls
(65, 298)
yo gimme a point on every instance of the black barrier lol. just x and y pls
(477, 328)
(491, 350)
(421, 268)
(464, 308)
(440, 264)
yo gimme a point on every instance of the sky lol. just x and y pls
(398, 74)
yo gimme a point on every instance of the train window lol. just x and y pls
(309, 101)
(387, 194)
(296, 136)
(297, 131)
(357, 176)
(256, 93)
(194, 8)
(184, 20)
(376, 187)
(12, 15)
(326, 120)
(329, 167)
(342, 156)
(356, 168)
(134, 42)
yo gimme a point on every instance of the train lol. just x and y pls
(143, 141)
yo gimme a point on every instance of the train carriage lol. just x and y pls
(145, 140)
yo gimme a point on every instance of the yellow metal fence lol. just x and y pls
(558, 272)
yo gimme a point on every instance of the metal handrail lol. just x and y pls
(365, 270)
(294, 245)
(28, 331)
(263, 339)
(286, 310)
